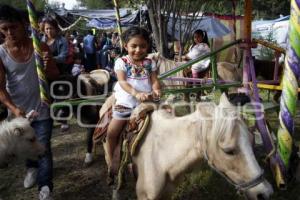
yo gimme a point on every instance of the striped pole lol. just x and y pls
(38, 53)
(116, 4)
(289, 96)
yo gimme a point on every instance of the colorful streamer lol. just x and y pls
(44, 90)
(289, 89)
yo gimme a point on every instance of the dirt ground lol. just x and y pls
(74, 181)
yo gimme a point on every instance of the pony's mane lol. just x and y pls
(223, 118)
(225, 121)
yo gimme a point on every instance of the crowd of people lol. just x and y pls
(19, 83)
(73, 54)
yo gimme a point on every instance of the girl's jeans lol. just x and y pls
(43, 131)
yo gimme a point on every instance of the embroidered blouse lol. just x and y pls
(137, 76)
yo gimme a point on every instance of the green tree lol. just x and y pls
(270, 9)
(160, 12)
(98, 4)
(39, 4)
(102, 4)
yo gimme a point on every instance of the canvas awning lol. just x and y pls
(110, 23)
(211, 25)
(94, 14)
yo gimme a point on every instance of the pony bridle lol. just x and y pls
(241, 187)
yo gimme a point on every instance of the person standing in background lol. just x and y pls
(59, 48)
(89, 47)
(57, 43)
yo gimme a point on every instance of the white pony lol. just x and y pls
(215, 134)
(17, 138)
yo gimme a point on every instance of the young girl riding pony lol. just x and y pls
(137, 79)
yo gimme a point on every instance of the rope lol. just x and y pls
(71, 26)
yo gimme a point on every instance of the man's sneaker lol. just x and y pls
(45, 193)
(30, 177)
(88, 159)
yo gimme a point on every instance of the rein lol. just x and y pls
(242, 187)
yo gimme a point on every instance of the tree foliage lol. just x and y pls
(160, 12)
(267, 9)
(270, 9)
(102, 4)
(39, 4)
(98, 4)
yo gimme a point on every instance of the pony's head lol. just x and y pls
(229, 152)
(18, 139)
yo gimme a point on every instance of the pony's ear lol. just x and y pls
(224, 102)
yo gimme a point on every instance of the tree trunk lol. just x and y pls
(159, 25)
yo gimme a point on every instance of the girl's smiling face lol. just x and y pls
(198, 38)
(137, 48)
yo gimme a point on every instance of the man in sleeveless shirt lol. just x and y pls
(19, 92)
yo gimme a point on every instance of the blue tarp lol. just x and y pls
(212, 26)
(91, 14)
(103, 18)
(102, 23)
(110, 23)
(106, 19)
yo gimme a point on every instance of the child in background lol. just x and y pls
(199, 47)
(78, 67)
(137, 78)
(113, 56)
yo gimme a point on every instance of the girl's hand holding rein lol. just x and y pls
(156, 94)
(142, 96)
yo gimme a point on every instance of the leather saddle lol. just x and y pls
(132, 133)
